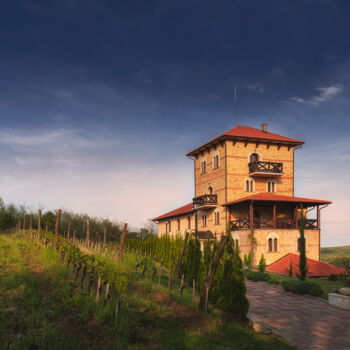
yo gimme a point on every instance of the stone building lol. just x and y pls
(244, 182)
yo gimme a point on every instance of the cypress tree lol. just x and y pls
(302, 257)
(231, 286)
(262, 263)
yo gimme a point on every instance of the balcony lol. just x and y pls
(207, 201)
(268, 223)
(265, 169)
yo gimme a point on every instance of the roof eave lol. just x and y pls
(243, 138)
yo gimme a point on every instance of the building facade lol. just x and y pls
(244, 184)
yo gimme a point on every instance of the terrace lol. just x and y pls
(265, 169)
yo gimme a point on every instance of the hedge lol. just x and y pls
(302, 287)
(258, 276)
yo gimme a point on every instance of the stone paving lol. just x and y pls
(304, 322)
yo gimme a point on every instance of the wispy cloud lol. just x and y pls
(100, 174)
(256, 87)
(325, 94)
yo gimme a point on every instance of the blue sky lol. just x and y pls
(101, 100)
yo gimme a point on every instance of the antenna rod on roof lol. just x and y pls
(236, 117)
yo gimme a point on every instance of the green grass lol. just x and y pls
(326, 285)
(332, 253)
(41, 307)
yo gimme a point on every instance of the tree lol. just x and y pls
(192, 260)
(231, 286)
(303, 268)
(262, 263)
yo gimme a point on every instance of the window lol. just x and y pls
(249, 185)
(166, 227)
(236, 243)
(178, 224)
(270, 244)
(254, 157)
(271, 186)
(203, 167)
(189, 222)
(273, 244)
(216, 161)
(210, 190)
(169, 226)
(204, 220)
(217, 218)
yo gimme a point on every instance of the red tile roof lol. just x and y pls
(188, 208)
(246, 132)
(315, 268)
(278, 198)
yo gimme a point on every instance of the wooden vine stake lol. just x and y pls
(39, 221)
(182, 285)
(194, 290)
(57, 224)
(74, 232)
(31, 222)
(206, 298)
(98, 289)
(212, 270)
(169, 281)
(181, 255)
(88, 232)
(104, 236)
(68, 230)
(24, 223)
(117, 307)
(122, 241)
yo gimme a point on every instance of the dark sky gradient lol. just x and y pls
(160, 74)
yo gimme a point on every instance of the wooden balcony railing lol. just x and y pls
(265, 167)
(204, 200)
(267, 223)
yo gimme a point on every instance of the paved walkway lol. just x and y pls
(304, 322)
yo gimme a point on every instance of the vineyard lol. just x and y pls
(126, 294)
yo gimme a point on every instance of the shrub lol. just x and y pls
(333, 277)
(258, 276)
(302, 288)
(262, 264)
(231, 287)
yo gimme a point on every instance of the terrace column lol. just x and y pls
(274, 215)
(251, 213)
(318, 217)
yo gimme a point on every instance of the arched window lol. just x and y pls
(166, 226)
(210, 190)
(249, 186)
(272, 242)
(178, 224)
(217, 218)
(236, 243)
(270, 245)
(203, 167)
(271, 186)
(254, 157)
(189, 222)
(204, 220)
(216, 161)
(169, 225)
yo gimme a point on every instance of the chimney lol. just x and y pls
(264, 127)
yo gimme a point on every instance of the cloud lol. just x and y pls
(99, 174)
(256, 87)
(325, 94)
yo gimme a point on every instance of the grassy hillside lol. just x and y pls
(332, 253)
(42, 307)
